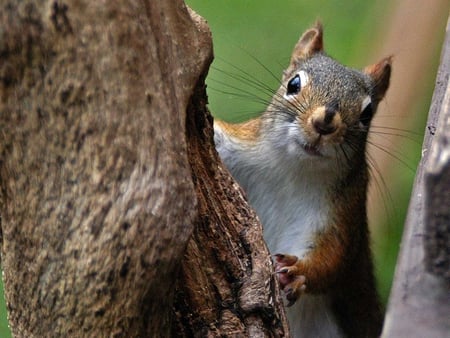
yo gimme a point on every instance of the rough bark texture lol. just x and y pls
(437, 178)
(100, 181)
(97, 197)
(419, 304)
(227, 286)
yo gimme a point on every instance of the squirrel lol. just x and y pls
(303, 167)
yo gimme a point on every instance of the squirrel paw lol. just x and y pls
(291, 279)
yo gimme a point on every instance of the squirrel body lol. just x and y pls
(303, 166)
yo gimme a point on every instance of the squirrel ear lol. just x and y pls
(380, 74)
(310, 42)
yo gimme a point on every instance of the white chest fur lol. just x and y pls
(290, 208)
(289, 194)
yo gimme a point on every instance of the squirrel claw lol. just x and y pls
(284, 270)
(294, 290)
(290, 276)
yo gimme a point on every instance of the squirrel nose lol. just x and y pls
(323, 120)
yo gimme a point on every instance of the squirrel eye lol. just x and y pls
(293, 86)
(296, 83)
(367, 112)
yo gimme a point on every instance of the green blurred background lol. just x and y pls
(253, 42)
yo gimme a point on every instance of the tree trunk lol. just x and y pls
(227, 286)
(105, 173)
(419, 304)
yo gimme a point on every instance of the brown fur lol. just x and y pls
(246, 131)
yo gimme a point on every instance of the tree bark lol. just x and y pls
(105, 173)
(419, 302)
(227, 287)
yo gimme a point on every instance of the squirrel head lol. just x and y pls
(323, 106)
